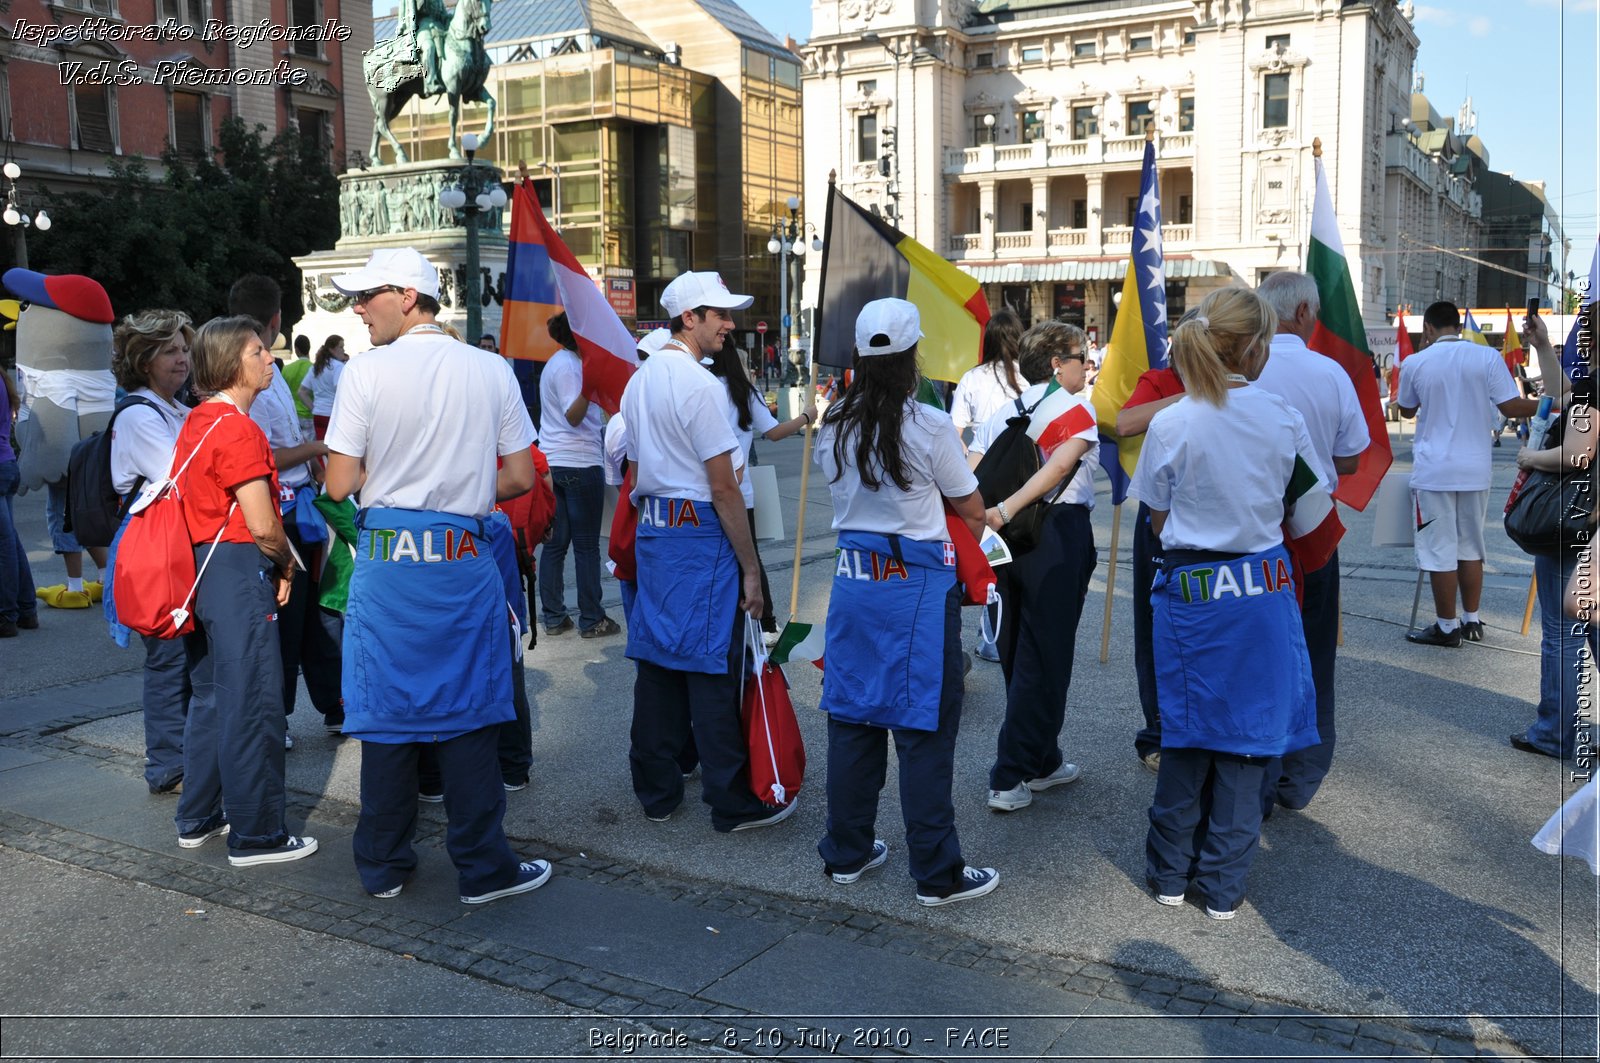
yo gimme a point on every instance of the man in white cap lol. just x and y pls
(416, 428)
(696, 568)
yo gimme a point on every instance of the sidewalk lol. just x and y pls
(1404, 913)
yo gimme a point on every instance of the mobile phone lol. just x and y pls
(1533, 307)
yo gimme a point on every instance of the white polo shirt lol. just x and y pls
(142, 440)
(980, 393)
(761, 422)
(430, 415)
(1220, 472)
(323, 387)
(1080, 491)
(1447, 383)
(568, 446)
(1321, 390)
(274, 411)
(677, 420)
(934, 462)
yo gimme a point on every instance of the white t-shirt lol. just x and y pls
(980, 392)
(567, 446)
(677, 421)
(934, 462)
(323, 387)
(142, 440)
(616, 448)
(274, 410)
(430, 415)
(1321, 390)
(761, 422)
(1080, 491)
(1447, 383)
(1220, 472)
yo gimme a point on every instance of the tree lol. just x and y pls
(179, 241)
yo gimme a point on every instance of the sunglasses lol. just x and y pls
(372, 293)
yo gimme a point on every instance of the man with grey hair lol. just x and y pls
(1322, 391)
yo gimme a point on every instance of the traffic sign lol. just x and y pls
(786, 321)
(761, 326)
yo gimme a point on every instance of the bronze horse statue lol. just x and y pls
(394, 74)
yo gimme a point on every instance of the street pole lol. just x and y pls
(475, 194)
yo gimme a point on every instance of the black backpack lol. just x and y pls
(94, 512)
(1010, 462)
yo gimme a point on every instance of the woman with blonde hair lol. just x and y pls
(1232, 673)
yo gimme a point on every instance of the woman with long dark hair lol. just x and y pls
(894, 626)
(995, 382)
(749, 416)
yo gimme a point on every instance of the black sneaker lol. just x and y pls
(562, 628)
(29, 622)
(975, 882)
(8, 629)
(1432, 636)
(606, 626)
(168, 789)
(1472, 630)
(531, 874)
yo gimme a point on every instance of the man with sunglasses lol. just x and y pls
(417, 427)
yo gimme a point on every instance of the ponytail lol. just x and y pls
(1223, 335)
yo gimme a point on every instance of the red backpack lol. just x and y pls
(531, 514)
(153, 580)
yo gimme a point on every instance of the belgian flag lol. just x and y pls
(865, 258)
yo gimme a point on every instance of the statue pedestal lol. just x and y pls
(398, 206)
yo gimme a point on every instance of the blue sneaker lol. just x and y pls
(293, 848)
(531, 874)
(216, 827)
(975, 882)
(880, 853)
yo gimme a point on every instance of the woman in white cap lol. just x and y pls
(894, 626)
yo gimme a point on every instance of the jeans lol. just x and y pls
(580, 498)
(16, 576)
(55, 515)
(1560, 660)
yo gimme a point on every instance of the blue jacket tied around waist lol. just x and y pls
(428, 636)
(688, 587)
(1232, 674)
(886, 629)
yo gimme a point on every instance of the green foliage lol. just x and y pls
(182, 239)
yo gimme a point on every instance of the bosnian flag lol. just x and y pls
(1312, 528)
(799, 642)
(543, 278)
(1058, 417)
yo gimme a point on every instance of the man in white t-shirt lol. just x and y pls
(572, 436)
(1444, 387)
(697, 571)
(1321, 390)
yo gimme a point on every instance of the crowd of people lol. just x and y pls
(1235, 621)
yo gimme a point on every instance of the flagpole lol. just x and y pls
(805, 482)
(1111, 582)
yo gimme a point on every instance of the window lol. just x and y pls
(1083, 50)
(314, 129)
(1139, 118)
(1278, 42)
(1188, 36)
(1080, 213)
(182, 12)
(189, 124)
(93, 118)
(1033, 53)
(1275, 101)
(1024, 217)
(306, 13)
(983, 129)
(1144, 43)
(1131, 203)
(1084, 123)
(1185, 210)
(867, 137)
(983, 60)
(1032, 125)
(867, 88)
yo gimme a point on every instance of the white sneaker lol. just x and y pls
(1060, 777)
(1212, 913)
(1171, 900)
(1019, 796)
(880, 853)
(288, 740)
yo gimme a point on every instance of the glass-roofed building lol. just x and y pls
(662, 135)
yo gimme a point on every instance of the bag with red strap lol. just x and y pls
(777, 752)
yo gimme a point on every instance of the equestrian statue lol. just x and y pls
(433, 51)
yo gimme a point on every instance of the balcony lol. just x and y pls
(1059, 243)
(1055, 154)
(1018, 241)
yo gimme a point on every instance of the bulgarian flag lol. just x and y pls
(1058, 417)
(1341, 336)
(1312, 529)
(799, 642)
(865, 258)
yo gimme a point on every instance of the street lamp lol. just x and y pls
(788, 241)
(16, 214)
(476, 192)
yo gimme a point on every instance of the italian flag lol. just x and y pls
(798, 642)
(1058, 417)
(1341, 335)
(1312, 527)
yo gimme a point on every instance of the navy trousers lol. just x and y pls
(1146, 555)
(1041, 601)
(166, 710)
(474, 806)
(675, 713)
(311, 637)
(1205, 824)
(1293, 782)
(233, 740)
(858, 767)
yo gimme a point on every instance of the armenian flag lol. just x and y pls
(865, 258)
(1341, 335)
(1139, 338)
(543, 278)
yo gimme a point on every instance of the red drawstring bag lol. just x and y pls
(777, 752)
(531, 514)
(624, 530)
(973, 570)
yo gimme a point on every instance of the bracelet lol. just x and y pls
(1005, 517)
(807, 415)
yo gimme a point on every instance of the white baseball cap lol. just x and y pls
(690, 291)
(887, 326)
(403, 267)
(653, 341)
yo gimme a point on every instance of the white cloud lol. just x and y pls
(1434, 14)
(1478, 27)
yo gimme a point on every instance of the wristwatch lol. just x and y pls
(1005, 517)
